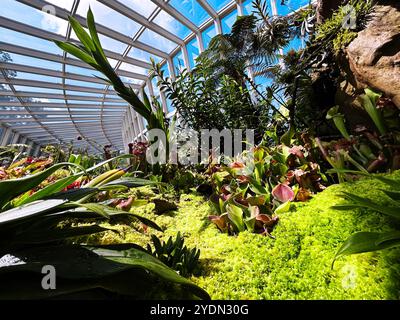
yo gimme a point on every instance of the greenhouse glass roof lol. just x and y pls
(47, 96)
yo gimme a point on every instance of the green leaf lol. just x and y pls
(375, 114)
(367, 203)
(250, 223)
(368, 241)
(93, 32)
(394, 195)
(99, 165)
(28, 211)
(95, 207)
(82, 35)
(49, 190)
(44, 236)
(77, 52)
(140, 259)
(235, 215)
(73, 194)
(10, 189)
(132, 182)
(284, 207)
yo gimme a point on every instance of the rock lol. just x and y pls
(162, 206)
(374, 56)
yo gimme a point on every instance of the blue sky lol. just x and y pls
(122, 24)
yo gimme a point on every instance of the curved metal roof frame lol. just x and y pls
(98, 116)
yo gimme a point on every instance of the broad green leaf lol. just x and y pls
(95, 207)
(257, 188)
(284, 207)
(10, 189)
(48, 191)
(141, 259)
(369, 204)
(82, 35)
(113, 187)
(394, 195)
(93, 32)
(73, 194)
(368, 241)
(56, 234)
(99, 165)
(77, 52)
(235, 215)
(250, 223)
(28, 211)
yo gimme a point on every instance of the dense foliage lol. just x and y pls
(124, 228)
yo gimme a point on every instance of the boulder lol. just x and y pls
(374, 56)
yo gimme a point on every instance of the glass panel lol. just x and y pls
(165, 69)
(37, 89)
(248, 7)
(82, 71)
(156, 90)
(37, 77)
(208, 34)
(84, 84)
(169, 23)
(65, 4)
(143, 7)
(193, 51)
(179, 63)
(132, 81)
(218, 4)
(23, 40)
(32, 17)
(157, 41)
(38, 63)
(170, 108)
(109, 18)
(142, 55)
(44, 101)
(290, 6)
(228, 21)
(107, 43)
(130, 67)
(295, 44)
(85, 94)
(262, 82)
(192, 10)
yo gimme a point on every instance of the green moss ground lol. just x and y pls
(297, 265)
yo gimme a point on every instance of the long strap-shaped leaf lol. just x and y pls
(367, 203)
(10, 189)
(368, 241)
(29, 210)
(143, 260)
(48, 190)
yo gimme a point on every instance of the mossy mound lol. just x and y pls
(297, 264)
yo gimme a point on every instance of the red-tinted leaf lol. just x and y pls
(283, 193)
